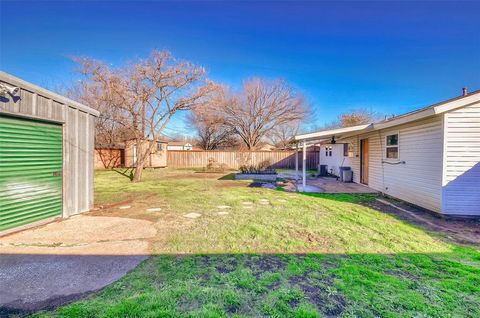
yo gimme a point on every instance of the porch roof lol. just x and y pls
(338, 133)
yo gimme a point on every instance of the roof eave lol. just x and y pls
(340, 132)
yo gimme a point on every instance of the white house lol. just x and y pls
(179, 145)
(429, 157)
(335, 156)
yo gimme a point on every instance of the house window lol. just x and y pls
(391, 147)
(159, 146)
(348, 150)
(328, 151)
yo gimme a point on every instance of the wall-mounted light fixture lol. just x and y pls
(7, 89)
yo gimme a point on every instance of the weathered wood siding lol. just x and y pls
(461, 178)
(235, 159)
(156, 159)
(78, 136)
(419, 179)
(108, 158)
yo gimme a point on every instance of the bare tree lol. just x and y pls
(283, 136)
(143, 96)
(260, 107)
(354, 117)
(209, 123)
(109, 126)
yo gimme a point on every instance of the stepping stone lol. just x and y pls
(192, 215)
(224, 207)
(222, 213)
(248, 206)
(247, 203)
(282, 201)
(124, 207)
(154, 209)
(264, 200)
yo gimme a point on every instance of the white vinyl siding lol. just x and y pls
(461, 179)
(419, 179)
(335, 160)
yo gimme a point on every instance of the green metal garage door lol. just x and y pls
(30, 171)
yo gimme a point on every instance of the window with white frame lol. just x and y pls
(391, 146)
(348, 150)
(328, 151)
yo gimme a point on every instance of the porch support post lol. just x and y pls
(319, 155)
(304, 166)
(296, 163)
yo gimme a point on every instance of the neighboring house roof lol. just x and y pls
(158, 140)
(265, 146)
(432, 110)
(179, 143)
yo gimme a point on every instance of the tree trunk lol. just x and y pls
(144, 155)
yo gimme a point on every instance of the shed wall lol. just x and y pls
(78, 130)
(461, 179)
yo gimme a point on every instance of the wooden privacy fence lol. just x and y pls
(235, 159)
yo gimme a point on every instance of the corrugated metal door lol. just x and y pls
(30, 171)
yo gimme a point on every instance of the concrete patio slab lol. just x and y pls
(332, 185)
(34, 282)
(62, 261)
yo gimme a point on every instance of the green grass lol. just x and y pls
(302, 255)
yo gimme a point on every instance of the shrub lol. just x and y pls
(261, 168)
(215, 166)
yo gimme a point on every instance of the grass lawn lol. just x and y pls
(283, 255)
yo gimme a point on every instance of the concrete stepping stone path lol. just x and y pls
(224, 207)
(222, 213)
(192, 215)
(154, 209)
(124, 207)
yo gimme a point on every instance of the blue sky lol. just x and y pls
(391, 57)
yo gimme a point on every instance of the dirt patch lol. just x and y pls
(138, 208)
(461, 231)
(226, 266)
(83, 235)
(321, 293)
(226, 184)
(265, 263)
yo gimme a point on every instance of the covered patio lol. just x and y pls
(332, 185)
(326, 184)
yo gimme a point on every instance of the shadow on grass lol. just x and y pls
(126, 172)
(278, 285)
(230, 176)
